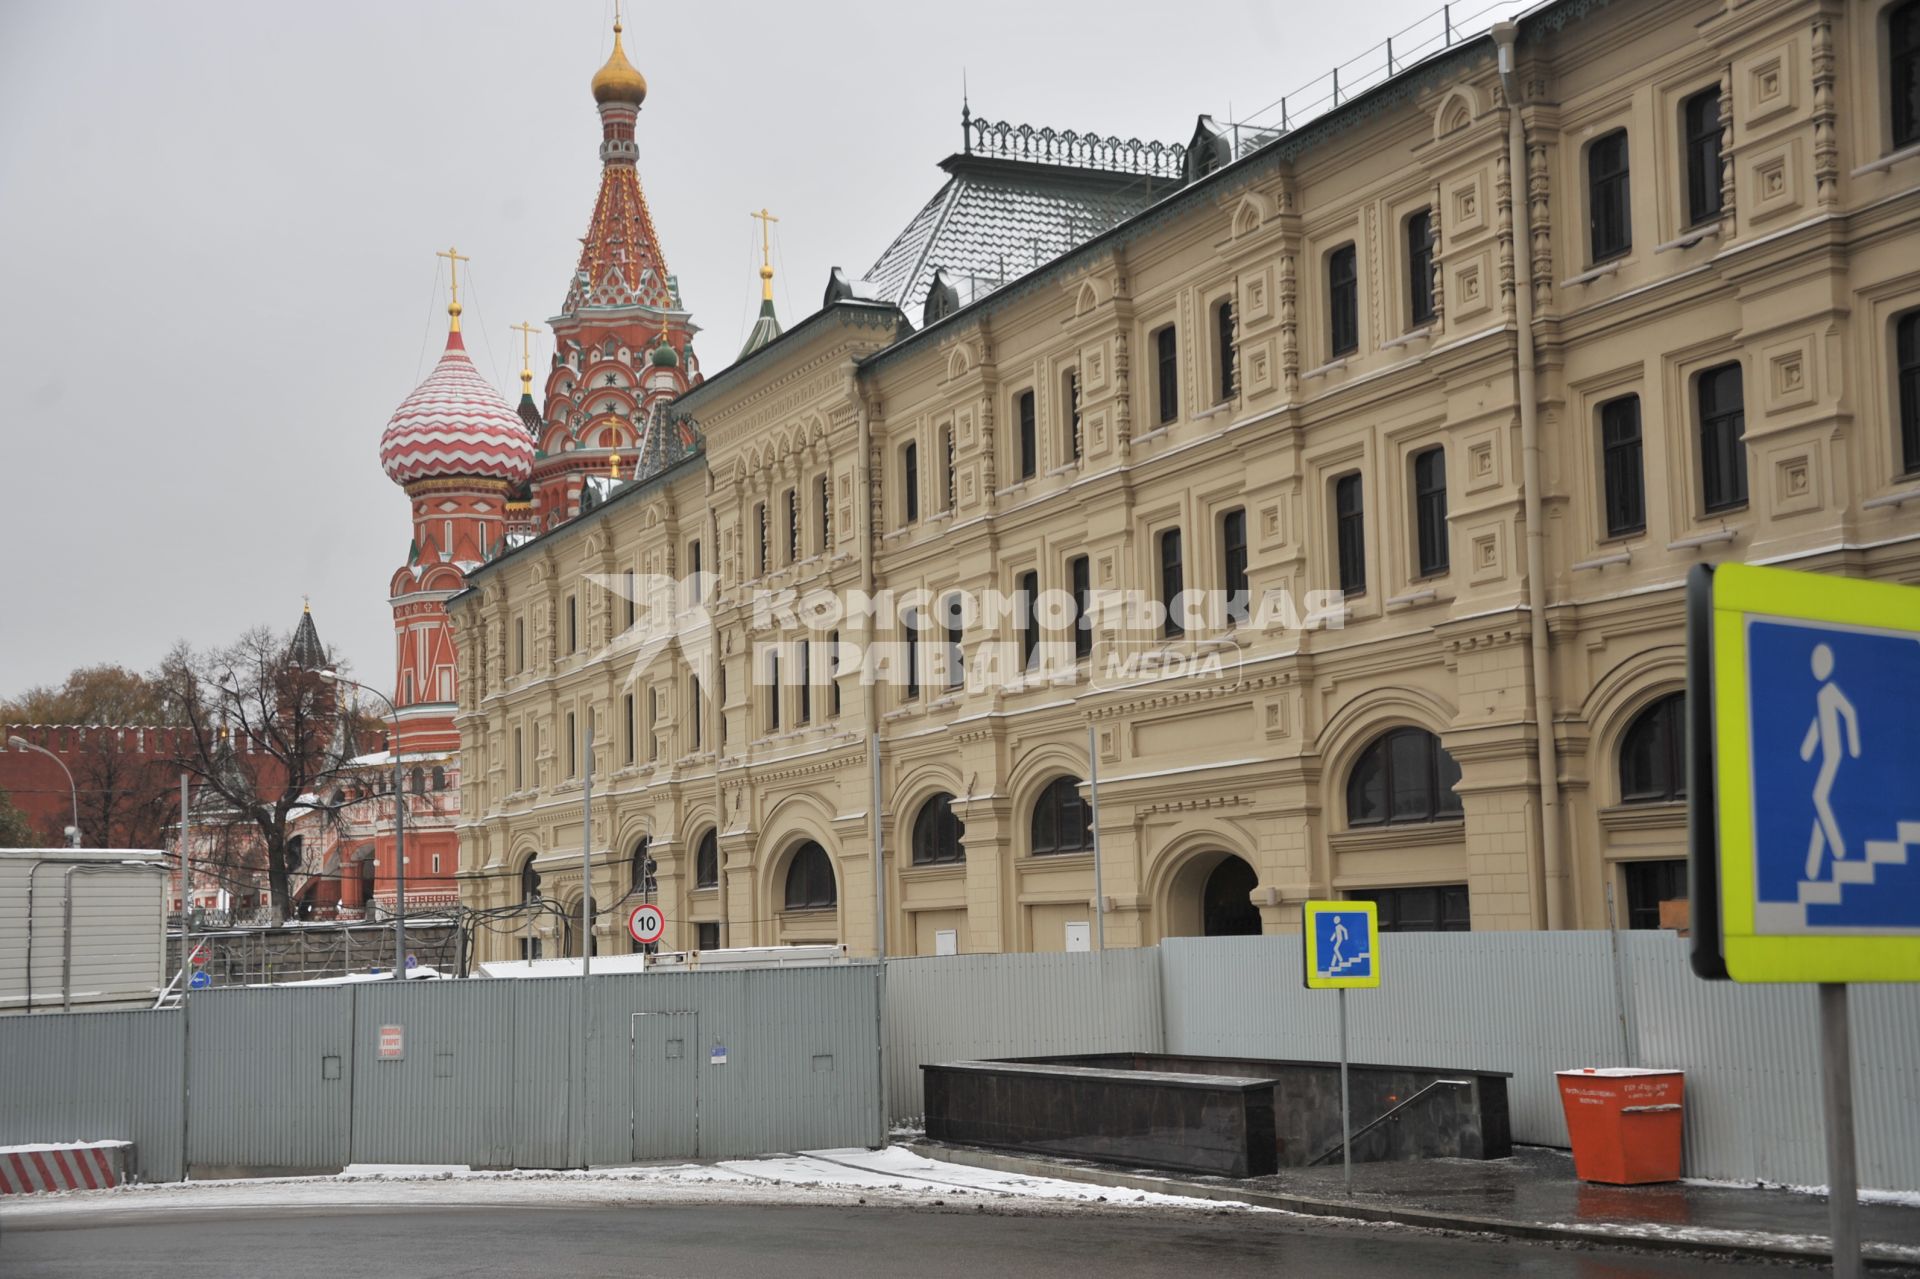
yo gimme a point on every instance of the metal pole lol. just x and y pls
(1346, 1123)
(1619, 983)
(879, 857)
(586, 852)
(399, 860)
(73, 832)
(1836, 1092)
(1093, 787)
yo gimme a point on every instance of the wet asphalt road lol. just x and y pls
(791, 1242)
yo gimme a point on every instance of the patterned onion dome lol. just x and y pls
(455, 423)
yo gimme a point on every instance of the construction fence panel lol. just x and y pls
(105, 1076)
(968, 1007)
(1525, 1003)
(1752, 1057)
(269, 1080)
(434, 1077)
(781, 1059)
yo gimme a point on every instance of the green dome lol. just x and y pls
(663, 356)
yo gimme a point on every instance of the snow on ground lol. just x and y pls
(1895, 1198)
(44, 1147)
(893, 1176)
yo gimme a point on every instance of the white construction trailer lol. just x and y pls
(81, 930)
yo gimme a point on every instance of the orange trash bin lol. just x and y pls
(1626, 1123)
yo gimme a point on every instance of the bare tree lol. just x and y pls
(126, 796)
(263, 734)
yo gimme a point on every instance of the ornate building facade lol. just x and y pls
(1497, 350)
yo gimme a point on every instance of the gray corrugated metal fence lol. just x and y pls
(96, 1077)
(269, 1080)
(956, 1007)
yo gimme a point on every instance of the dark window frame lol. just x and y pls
(1343, 301)
(1903, 73)
(1702, 134)
(910, 628)
(1609, 197)
(1026, 408)
(1350, 532)
(1650, 882)
(1029, 593)
(810, 882)
(1432, 552)
(1062, 820)
(950, 610)
(1651, 763)
(1622, 467)
(1420, 309)
(1074, 423)
(1437, 772)
(1166, 342)
(1173, 581)
(1080, 576)
(1906, 354)
(938, 835)
(910, 482)
(1720, 397)
(1226, 321)
(1403, 910)
(793, 525)
(1233, 565)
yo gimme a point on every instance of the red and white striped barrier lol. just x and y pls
(85, 1165)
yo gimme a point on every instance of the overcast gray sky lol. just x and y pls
(217, 226)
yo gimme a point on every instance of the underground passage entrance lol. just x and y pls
(1226, 905)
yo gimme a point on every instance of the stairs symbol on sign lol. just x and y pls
(1880, 852)
(1339, 966)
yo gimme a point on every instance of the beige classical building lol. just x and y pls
(1502, 356)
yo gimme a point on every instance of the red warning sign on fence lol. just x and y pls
(393, 1043)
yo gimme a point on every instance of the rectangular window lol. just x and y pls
(1620, 465)
(1430, 511)
(826, 516)
(1907, 358)
(793, 525)
(1029, 436)
(693, 556)
(1073, 414)
(1701, 115)
(910, 481)
(1343, 301)
(720, 706)
(773, 690)
(653, 723)
(956, 657)
(910, 631)
(627, 587)
(573, 624)
(1723, 432)
(1029, 620)
(1167, 373)
(1610, 221)
(706, 936)
(1420, 268)
(1439, 908)
(628, 738)
(519, 760)
(760, 525)
(573, 747)
(1225, 319)
(833, 669)
(519, 644)
(1649, 884)
(1172, 583)
(695, 711)
(806, 683)
(947, 469)
(1903, 72)
(1233, 564)
(1350, 533)
(1080, 570)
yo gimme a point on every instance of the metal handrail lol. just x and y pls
(1366, 1128)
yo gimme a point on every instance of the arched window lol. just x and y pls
(810, 883)
(706, 861)
(439, 777)
(419, 780)
(1062, 820)
(1653, 754)
(645, 879)
(1404, 775)
(937, 832)
(529, 880)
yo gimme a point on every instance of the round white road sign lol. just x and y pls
(647, 923)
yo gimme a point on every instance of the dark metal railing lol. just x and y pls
(1366, 1128)
(1004, 140)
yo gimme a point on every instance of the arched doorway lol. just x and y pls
(1226, 903)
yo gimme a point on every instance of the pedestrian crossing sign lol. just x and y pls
(1804, 776)
(1343, 944)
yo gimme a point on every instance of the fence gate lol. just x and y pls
(666, 1085)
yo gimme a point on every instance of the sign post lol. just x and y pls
(1803, 725)
(1342, 940)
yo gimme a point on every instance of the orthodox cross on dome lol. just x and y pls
(526, 332)
(454, 258)
(766, 252)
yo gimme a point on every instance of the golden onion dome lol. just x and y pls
(618, 81)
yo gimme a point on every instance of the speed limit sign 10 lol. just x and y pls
(647, 923)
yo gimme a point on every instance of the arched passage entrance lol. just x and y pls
(1210, 895)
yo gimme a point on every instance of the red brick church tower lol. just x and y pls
(623, 340)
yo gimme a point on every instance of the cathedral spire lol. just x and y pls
(454, 258)
(766, 327)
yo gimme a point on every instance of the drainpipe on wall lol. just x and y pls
(716, 713)
(863, 521)
(1553, 855)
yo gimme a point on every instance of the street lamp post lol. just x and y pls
(22, 744)
(399, 829)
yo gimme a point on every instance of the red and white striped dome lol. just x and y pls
(455, 423)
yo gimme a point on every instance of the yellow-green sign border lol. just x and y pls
(1742, 592)
(1310, 909)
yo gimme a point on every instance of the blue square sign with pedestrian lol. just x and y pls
(1342, 944)
(1836, 777)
